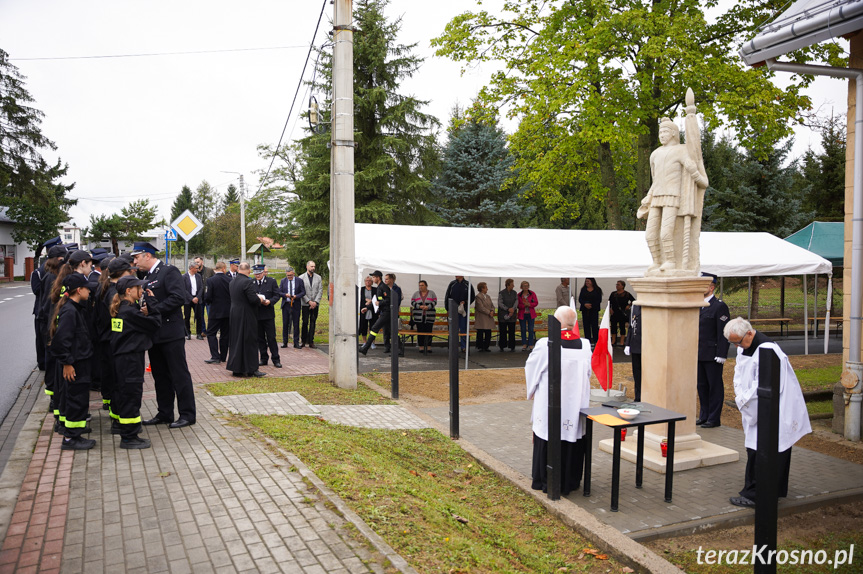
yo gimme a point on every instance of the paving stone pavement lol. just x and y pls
(202, 499)
(207, 498)
(504, 431)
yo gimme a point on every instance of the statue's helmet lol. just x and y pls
(668, 124)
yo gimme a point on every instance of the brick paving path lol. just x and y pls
(203, 499)
(34, 540)
(503, 430)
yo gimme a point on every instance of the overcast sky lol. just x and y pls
(136, 127)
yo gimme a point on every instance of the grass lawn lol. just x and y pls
(815, 379)
(432, 502)
(317, 389)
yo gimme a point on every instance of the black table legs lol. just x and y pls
(669, 466)
(615, 470)
(639, 460)
(588, 454)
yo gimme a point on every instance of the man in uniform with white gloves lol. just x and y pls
(793, 416)
(712, 352)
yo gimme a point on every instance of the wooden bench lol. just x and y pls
(839, 322)
(784, 322)
(440, 329)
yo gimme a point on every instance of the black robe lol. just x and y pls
(243, 352)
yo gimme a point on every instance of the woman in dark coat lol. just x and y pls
(590, 299)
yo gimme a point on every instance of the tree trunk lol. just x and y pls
(612, 204)
(756, 291)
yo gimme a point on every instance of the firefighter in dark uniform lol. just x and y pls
(267, 287)
(712, 352)
(384, 300)
(168, 354)
(135, 321)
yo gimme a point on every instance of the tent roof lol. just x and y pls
(827, 239)
(484, 252)
(804, 23)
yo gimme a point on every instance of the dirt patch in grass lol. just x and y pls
(432, 502)
(317, 389)
(431, 388)
(831, 528)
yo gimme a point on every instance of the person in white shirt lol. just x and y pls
(793, 416)
(574, 395)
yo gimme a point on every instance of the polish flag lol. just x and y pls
(601, 361)
(573, 307)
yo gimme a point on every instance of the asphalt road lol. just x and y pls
(17, 342)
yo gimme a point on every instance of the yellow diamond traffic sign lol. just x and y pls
(187, 225)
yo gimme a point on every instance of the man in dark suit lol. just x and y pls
(712, 352)
(168, 354)
(269, 289)
(217, 297)
(205, 273)
(194, 296)
(292, 289)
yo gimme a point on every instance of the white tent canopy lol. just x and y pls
(553, 253)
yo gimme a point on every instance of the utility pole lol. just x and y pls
(242, 218)
(242, 214)
(343, 276)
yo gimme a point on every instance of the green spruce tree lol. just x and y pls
(474, 188)
(825, 173)
(30, 188)
(396, 156)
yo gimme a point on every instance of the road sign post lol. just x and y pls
(187, 226)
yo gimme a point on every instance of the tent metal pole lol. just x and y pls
(827, 311)
(815, 314)
(805, 315)
(467, 329)
(722, 287)
(749, 301)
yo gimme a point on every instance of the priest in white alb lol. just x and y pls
(574, 395)
(793, 416)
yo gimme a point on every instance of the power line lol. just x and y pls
(296, 93)
(149, 54)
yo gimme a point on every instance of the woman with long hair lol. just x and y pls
(590, 299)
(527, 303)
(70, 343)
(105, 292)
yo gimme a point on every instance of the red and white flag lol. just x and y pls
(574, 308)
(601, 361)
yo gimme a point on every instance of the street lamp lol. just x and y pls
(242, 213)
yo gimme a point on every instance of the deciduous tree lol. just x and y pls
(590, 80)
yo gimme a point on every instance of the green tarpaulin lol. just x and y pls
(826, 239)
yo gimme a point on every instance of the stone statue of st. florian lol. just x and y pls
(674, 202)
(671, 295)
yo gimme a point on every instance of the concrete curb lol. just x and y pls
(786, 508)
(16, 468)
(379, 543)
(605, 537)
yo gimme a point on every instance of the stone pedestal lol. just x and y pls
(669, 361)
